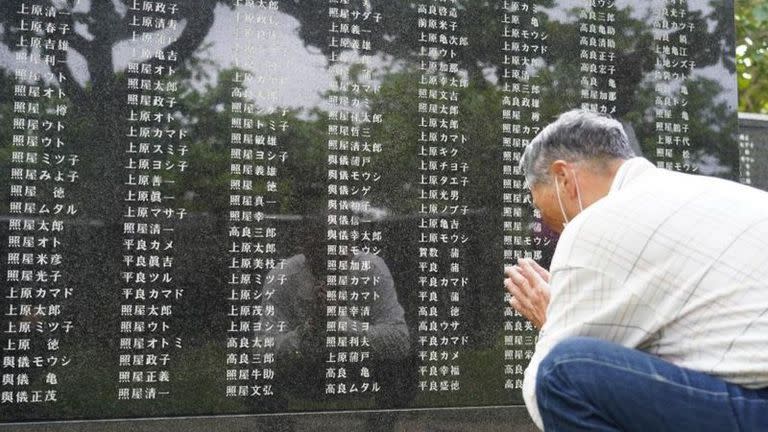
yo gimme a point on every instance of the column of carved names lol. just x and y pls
(43, 171)
(256, 159)
(673, 29)
(155, 151)
(352, 246)
(597, 56)
(443, 179)
(746, 158)
(523, 43)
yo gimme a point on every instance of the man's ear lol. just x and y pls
(562, 173)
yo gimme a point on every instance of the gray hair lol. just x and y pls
(576, 135)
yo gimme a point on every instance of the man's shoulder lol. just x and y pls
(660, 209)
(657, 192)
(663, 191)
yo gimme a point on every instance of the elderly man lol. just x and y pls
(655, 314)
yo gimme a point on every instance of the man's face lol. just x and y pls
(544, 196)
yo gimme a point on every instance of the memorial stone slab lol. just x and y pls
(294, 215)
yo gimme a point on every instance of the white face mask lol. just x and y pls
(560, 201)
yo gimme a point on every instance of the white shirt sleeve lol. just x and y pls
(584, 302)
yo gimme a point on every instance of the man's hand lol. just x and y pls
(528, 283)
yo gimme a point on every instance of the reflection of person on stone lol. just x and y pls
(301, 300)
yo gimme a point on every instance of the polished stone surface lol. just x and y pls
(387, 110)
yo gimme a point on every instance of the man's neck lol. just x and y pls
(597, 182)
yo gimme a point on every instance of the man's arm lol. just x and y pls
(586, 302)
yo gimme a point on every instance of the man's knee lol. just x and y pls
(573, 348)
(564, 365)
